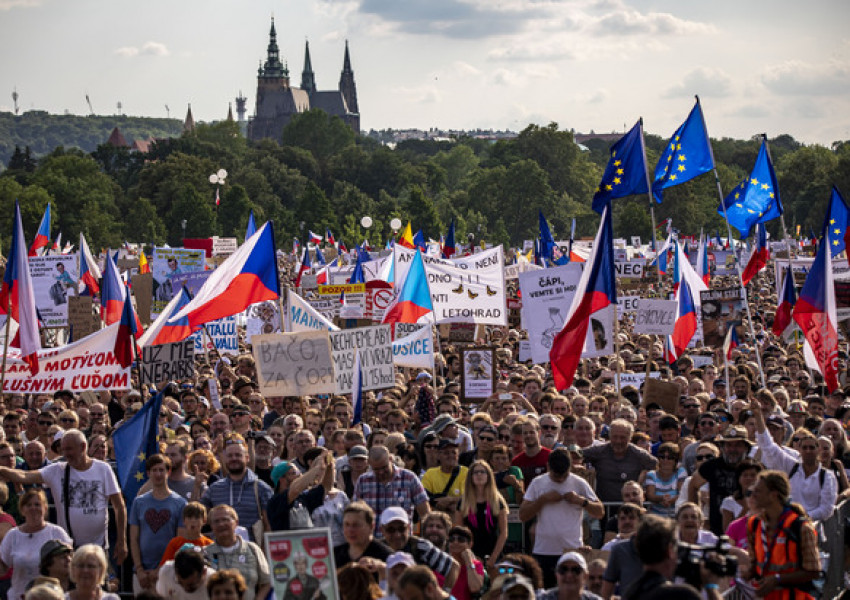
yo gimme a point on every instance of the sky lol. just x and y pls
(773, 66)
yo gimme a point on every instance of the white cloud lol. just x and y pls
(127, 51)
(148, 48)
(705, 81)
(793, 78)
(464, 69)
(422, 94)
(632, 22)
(10, 4)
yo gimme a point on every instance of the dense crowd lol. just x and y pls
(534, 492)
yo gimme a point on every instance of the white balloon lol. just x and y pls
(366, 222)
(221, 174)
(213, 178)
(395, 224)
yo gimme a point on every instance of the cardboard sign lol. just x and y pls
(54, 280)
(376, 357)
(665, 393)
(628, 304)
(294, 364)
(656, 317)
(637, 379)
(631, 269)
(168, 362)
(478, 372)
(143, 293)
(224, 246)
(81, 318)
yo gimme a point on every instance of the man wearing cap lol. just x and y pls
(240, 419)
(55, 561)
(395, 526)
(518, 587)
(571, 571)
(356, 466)
(445, 483)
(707, 429)
(720, 474)
(485, 437)
(397, 564)
(558, 499)
(387, 485)
(719, 389)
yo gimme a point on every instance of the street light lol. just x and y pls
(183, 223)
(395, 225)
(217, 179)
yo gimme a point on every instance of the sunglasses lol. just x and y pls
(486, 438)
(46, 423)
(233, 441)
(459, 538)
(510, 569)
(549, 427)
(691, 406)
(227, 407)
(702, 457)
(795, 440)
(707, 423)
(563, 569)
(396, 529)
(748, 493)
(568, 426)
(66, 420)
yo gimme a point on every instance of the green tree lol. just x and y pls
(320, 133)
(196, 210)
(234, 212)
(143, 224)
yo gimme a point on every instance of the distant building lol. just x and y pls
(277, 101)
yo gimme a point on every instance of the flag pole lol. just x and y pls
(651, 201)
(6, 345)
(737, 262)
(283, 315)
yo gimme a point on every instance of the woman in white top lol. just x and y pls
(689, 518)
(21, 547)
(88, 572)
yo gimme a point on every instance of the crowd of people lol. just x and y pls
(584, 493)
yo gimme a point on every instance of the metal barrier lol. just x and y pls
(832, 543)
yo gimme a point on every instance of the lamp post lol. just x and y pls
(217, 179)
(366, 223)
(183, 223)
(395, 225)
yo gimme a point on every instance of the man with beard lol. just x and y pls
(617, 461)
(719, 473)
(550, 428)
(435, 529)
(241, 488)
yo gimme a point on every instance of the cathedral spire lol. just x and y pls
(346, 61)
(273, 67)
(189, 123)
(347, 87)
(308, 78)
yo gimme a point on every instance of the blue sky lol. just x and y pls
(759, 66)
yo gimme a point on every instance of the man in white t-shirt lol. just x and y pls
(558, 498)
(92, 487)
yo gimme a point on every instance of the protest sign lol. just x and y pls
(262, 318)
(637, 379)
(524, 351)
(294, 364)
(701, 361)
(376, 357)
(82, 319)
(54, 279)
(415, 350)
(166, 263)
(222, 337)
(724, 263)
(800, 268)
(224, 246)
(193, 281)
(478, 372)
(301, 562)
(636, 241)
(600, 333)
(167, 362)
(85, 365)
(513, 271)
(628, 304)
(546, 299)
(401, 330)
(656, 317)
(721, 309)
(469, 289)
(665, 393)
(142, 293)
(303, 316)
(630, 269)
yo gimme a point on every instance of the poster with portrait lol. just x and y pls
(54, 278)
(262, 318)
(166, 263)
(478, 372)
(302, 564)
(721, 309)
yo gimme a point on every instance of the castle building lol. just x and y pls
(278, 101)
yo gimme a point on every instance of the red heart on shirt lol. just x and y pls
(156, 519)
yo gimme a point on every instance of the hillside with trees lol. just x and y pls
(321, 175)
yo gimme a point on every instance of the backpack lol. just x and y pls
(796, 467)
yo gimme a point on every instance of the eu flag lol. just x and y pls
(547, 242)
(836, 223)
(134, 442)
(688, 154)
(625, 174)
(756, 198)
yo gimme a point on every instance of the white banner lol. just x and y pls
(84, 366)
(632, 269)
(54, 278)
(470, 289)
(223, 334)
(294, 364)
(376, 357)
(546, 298)
(303, 317)
(415, 349)
(656, 317)
(627, 304)
(637, 379)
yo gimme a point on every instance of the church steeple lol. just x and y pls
(273, 69)
(189, 123)
(347, 87)
(308, 78)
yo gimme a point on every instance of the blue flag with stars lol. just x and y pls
(134, 442)
(688, 154)
(625, 174)
(837, 222)
(756, 198)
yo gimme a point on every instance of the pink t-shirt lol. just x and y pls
(737, 532)
(461, 588)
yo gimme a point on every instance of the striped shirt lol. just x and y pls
(404, 490)
(240, 495)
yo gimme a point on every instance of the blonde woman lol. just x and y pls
(484, 511)
(88, 572)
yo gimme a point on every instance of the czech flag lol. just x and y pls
(413, 302)
(57, 245)
(144, 265)
(163, 332)
(731, 342)
(320, 258)
(596, 290)
(315, 238)
(758, 260)
(17, 299)
(42, 237)
(702, 260)
(406, 239)
(449, 244)
(251, 229)
(249, 275)
(306, 265)
(683, 271)
(787, 300)
(128, 329)
(89, 271)
(686, 318)
(816, 315)
(114, 293)
(329, 237)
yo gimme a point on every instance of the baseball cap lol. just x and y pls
(518, 581)
(358, 451)
(573, 557)
(280, 469)
(423, 375)
(400, 558)
(394, 513)
(442, 422)
(444, 443)
(54, 547)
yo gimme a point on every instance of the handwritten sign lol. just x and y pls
(168, 362)
(81, 318)
(295, 364)
(376, 357)
(655, 317)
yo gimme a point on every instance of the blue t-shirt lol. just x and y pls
(158, 521)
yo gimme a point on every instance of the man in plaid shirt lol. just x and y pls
(386, 485)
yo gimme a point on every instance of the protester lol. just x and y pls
(232, 552)
(88, 573)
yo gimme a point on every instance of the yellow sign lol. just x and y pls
(348, 288)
